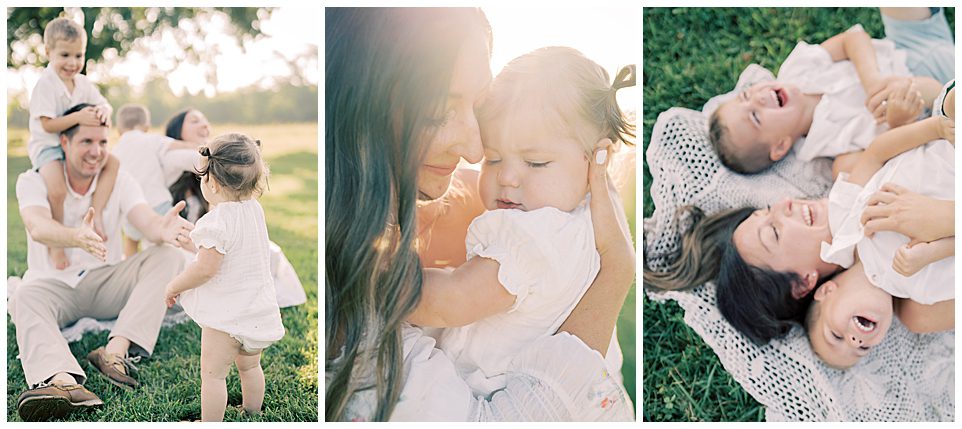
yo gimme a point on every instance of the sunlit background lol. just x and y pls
(169, 58)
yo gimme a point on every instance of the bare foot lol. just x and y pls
(59, 258)
(909, 260)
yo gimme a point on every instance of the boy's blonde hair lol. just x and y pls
(234, 161)
(574, 93)
(64, 29)
(131, 116)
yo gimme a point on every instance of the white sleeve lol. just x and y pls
(531, 247)
(43, 101)
(91, 93)
(31, 191)
(804, 61)
(210, 232)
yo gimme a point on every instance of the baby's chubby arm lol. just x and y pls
(200, 272)
(892, 143)
(451, 298)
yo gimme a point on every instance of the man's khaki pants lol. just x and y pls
(131, 291)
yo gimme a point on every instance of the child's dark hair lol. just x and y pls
(749, 162)
(234, 161)
(758, 302)
(569, 88)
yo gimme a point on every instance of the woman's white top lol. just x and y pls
(553, 378)
(547, 261)
(240, 299)
(928, 170)
(840, 122)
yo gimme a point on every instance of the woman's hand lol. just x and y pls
(946, 129)
(170, 298)
(878, 92)
(921, 218)
(593, 319)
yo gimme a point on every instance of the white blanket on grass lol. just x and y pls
(288, 286)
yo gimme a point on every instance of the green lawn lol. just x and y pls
(171, 378)
(690, 55)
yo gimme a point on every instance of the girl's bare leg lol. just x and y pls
(217, 352)
(252, 381)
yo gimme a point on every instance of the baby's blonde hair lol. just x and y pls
(64, 29)
(234, 161)
(574, 93)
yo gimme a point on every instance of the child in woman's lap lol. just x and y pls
(229, 290)
(532, 255)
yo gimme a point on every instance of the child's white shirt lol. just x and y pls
(141, 155)
(548, 260)
(240, 299)
(50, 98)
(841, 123)
(928, 170)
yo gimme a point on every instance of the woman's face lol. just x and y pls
(787, 237)
(457, 135)
(196, 129)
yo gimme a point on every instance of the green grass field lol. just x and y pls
(690, 55)
(171, 378)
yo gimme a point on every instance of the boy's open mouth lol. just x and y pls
(865, 324)
(780, 97)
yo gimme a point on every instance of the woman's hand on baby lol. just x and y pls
(176, 230)
(904, 104)
(921, 218)
(87, 238)
(610, 238)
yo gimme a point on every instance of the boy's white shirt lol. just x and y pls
(841, 123)
(50, 98)
(928, 170)
(141, 155)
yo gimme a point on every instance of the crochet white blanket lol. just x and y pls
(908, 377)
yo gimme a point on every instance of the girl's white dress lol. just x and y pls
(928, 170)
(240, 299)
(547, 261)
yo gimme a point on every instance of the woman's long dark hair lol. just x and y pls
(758, 302)
(188, 181)
(388, 73)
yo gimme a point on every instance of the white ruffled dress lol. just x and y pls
(240, 299)
(928, 170)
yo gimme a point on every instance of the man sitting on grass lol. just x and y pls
(98, 284)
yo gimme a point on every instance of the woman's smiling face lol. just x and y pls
(456, 134)
(787, 237)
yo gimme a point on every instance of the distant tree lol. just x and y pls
(113, 31)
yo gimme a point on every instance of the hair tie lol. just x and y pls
(257, 142)
(204, 151)
(624, 78)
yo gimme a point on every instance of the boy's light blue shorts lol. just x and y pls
(929, 45)
(133, 233)
(48, 154)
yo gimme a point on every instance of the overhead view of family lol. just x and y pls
(478, 249)
(799, 214)
(123, 233)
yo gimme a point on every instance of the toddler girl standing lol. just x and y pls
(228, 290)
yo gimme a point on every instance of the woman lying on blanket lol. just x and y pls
(766, 262)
